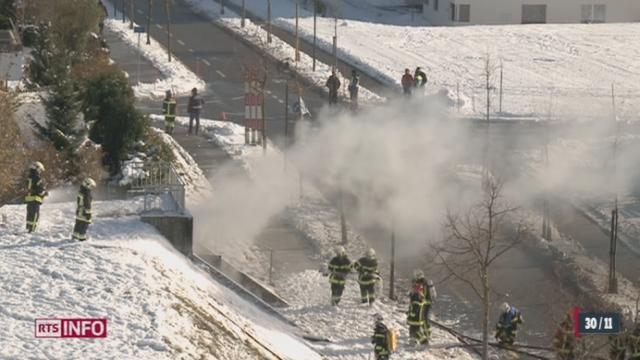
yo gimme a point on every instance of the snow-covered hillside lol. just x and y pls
(159, 306)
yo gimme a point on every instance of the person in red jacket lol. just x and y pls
(407, 82)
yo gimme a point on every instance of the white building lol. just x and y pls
(495, 12)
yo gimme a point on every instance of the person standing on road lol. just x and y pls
(169, 106)
(380, 339)
(429, 295)
(354, 85)
(194, 108)
(36, 192)
(415, 316)
(333, 83)
(83, 210)
(407, 82)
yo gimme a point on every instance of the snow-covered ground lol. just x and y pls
(177, 77)
(158, 305)
(570, 66)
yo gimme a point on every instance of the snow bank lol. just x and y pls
(159, 306)
(280, 50)
(177, 76)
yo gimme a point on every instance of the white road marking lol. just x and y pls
(181, 42)
(139, 11)
(190, 50)
(221, 74)
(159, 26)
(238, 98)
(280, 101)
(206, 62)
(268, 92)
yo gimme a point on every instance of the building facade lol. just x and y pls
(497, 12)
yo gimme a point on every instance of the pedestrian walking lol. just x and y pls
(368, 276)
(507, 326)
(339, 268)
(407, 82)
(333, 83)
(354, 86)
(169, 106)
(194, 108)
(83, 210)
(36, 192)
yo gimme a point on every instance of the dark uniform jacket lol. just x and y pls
(415, 315)
(340, 267)
(169, 108)
(333, 83)
(420, 78)
(35, 188)
(195, 104)
(427, 289)
(83, 211)
(367, 269)
(509, 320)
(380, 340)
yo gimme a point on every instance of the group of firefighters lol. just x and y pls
(36, 191)
(421, 297)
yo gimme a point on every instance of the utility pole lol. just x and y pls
(221, 7)
(168, 9)
(149, 5)
(392, 271)
(244, 13)
(335, 42)
(269, 21)
(613, 281)
(315, 23)
(485, 172)
(500, 106)
(297, 35)
(123, 7)
(343, 221)
(132, 13)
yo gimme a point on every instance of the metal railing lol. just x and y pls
(162, 187)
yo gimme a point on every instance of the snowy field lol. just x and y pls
(568, 67)
(159, 306)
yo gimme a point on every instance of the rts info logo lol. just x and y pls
(71, 328)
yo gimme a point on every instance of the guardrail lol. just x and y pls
(162, 187)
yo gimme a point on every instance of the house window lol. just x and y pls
(464, 13)
(593, 13)
(453, 11)
(435, 5)
(534, 14)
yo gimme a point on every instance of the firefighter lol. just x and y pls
(633, 341)
(564, 341)
(415, 316)
(169, 111)
(36, 192)
(380, 339)
(83, 210)
(339, 268)
(507, 326)
(368, 275)
(333, 83)
(429, 295)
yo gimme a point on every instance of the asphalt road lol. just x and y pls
(220, 58)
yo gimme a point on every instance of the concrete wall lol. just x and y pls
(495, 12)
(178, 229)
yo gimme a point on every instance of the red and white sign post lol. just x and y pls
(253, 110)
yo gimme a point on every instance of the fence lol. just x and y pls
(161, 185)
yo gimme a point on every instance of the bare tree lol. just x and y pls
(475, 240)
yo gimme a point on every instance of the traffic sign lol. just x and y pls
(138, 29)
